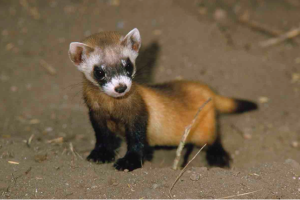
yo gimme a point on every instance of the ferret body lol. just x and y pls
(145, 115)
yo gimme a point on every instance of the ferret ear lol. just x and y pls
(133, 40)
(78, 52)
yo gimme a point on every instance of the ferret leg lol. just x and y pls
(136, 145)
(106, 141)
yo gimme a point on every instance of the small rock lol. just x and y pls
(247, 136)
(126, 170)
(295, 77)
(263, 99)
(220, 14)
(34, 121)
(295, 144)
(13, 88)
(49, 129)
(9, 46)
(154, 186)
(195, 177)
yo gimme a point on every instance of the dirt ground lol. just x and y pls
(194, 40)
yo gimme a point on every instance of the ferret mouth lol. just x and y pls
(114, 94)
(117, 87)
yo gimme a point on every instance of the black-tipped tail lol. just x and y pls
(245, 106)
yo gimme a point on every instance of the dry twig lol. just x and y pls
(288, 35)
(238, 195)
(72, 150)
(29, 140)
(183, 170)
(48, 67)
(185, 135)
(245, 20)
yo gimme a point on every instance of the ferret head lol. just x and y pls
(107, 60)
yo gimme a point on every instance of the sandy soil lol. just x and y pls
(195, 40)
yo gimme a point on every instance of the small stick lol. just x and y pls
(48, 67)
(13, 162)
(183, 170)
(288, 35)
(56, 140)
(72, 150)
(240, 194)
(245, 19)
(29, 140)
(185, 135)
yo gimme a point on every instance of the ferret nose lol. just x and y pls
(121, 88)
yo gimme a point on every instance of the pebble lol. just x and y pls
(9, 46)
(263, 99)
(247, 136)
(34, 121)
(195, 177)
(220, 14)
(154, 186)
(295, 144)
(49, 129)
(295, 77)
(126, 170)
(13, 88)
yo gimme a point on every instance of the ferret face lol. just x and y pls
(108, 60)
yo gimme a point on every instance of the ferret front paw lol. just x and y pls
(101, 156)
(130, 162)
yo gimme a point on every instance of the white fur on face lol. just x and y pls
(109, 88)
(87, 66)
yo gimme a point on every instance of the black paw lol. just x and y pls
(130, 162)
(101, 156)
(217, 156)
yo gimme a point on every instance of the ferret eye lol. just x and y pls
(99, 73)
(128, 67)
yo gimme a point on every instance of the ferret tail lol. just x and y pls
(229, 105)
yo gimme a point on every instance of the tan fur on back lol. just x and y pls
(169, 116)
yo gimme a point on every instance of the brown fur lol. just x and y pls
(170, 110)
(103, 39)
